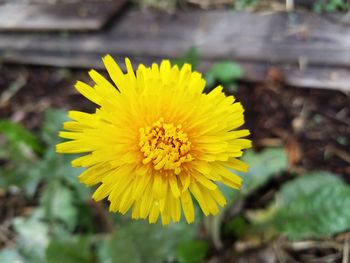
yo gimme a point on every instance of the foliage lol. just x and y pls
(238, 227)
(225, 73)
(311, 206)
(57, 204)
(327, 6)
(140, 242)
(262, 166)
(11, 255)
(191, 57)
(25, 170)
(245, 4)
(18, 150)
(158, 4)
(32, 238)
(17, 135)
(70, 250)
(193, 251)
(318, 6)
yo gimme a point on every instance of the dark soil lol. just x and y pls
(312, 124)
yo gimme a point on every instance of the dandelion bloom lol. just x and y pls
(156, 141)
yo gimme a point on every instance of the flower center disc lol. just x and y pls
(165, 145)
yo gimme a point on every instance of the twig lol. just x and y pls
(12, 90)
(339, 153)
(346, 251)
(289, 5)
(279, 253)
(303, 245)
(5, 234)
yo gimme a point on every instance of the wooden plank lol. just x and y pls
(311, 77)
(272, 37)
(68, 16)
(298, 43)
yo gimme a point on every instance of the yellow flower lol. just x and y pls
(156, 141)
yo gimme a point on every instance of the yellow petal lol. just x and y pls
(187, 206)
(195, 190)
(88, 92)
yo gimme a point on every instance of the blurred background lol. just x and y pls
(287, 62)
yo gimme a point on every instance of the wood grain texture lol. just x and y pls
(67, 16)
(311, 50)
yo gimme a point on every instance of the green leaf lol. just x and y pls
(244, 4)
(32, 238)
(191, 57)
(141, 242)
(193, 251)
(311, 182)
(20, 169)
(17, 135)
(58, 167)
(52, 125)
(57, 203)
(123, 248)
(26, 173)
(25, 176)
(210, 81)
(75, 249)
(237, 227)
(312, 206)
(223, 72)
(262, 166)
(11, 255)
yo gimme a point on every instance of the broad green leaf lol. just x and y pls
(20, 169)
(191, 57)
(237, 227)
(311, 182)
(311, 206)
(193, 251)
(57, 202)
(139, 241)
(244, 4)
(25, 176)
(16, 152)
(32, 238)
(70, 250)
(17, 134)
(223, 72)
(11, 255)
(213, 225)
(29, 172)
(262, 166)
(120, 247)
(58, 167)
(104, 253)
(52, 125)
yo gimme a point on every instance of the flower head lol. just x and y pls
(156, 141)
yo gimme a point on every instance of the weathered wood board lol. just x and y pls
(311, 50)
(57, 16)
